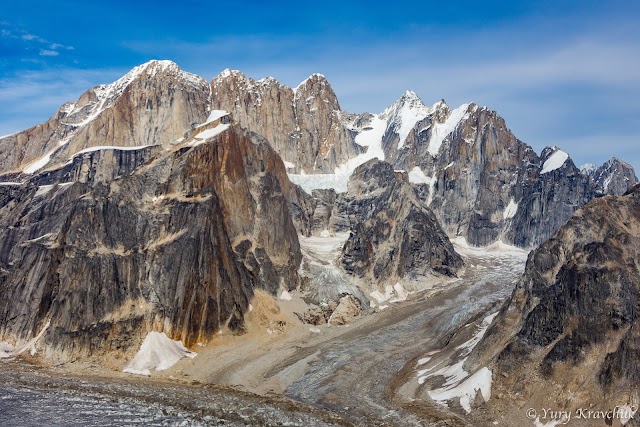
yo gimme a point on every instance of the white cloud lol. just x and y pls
(47, 52)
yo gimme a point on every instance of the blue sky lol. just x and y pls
(563, 73)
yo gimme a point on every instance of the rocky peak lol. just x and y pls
(440, 110)
(615, 177)
(394, 235)
(316, 90)
(152, 104)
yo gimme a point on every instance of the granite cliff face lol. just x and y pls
(155, 103)
(304, 125)
(122, 242)
(572, 321)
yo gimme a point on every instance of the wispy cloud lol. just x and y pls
(10, 32)
(46, 52)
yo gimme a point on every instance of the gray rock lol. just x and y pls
(393, 233)
(576, 303)
(177, 243)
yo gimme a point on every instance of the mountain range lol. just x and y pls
(163, 202)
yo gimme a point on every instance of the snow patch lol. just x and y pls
(555, 161)
(39, 164)
(416, 176)
(7, 351)
(322, 181)
(423, 361)
(111, 147)
(510, 210)
(285, 296)
(288, 165)
(209, 133)
(158, 352)
(439, 131)
(213, 116)
(466, 390)
(395, 293)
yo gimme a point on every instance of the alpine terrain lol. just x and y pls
(242, 239)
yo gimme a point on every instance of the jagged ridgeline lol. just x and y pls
(571, 324)
(161, 201)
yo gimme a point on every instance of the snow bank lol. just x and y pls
(285, 296)
(395, 293)
(214, 115)
(158, 352)
(555, 161)
(110, 147)
(416, 176)
(209, 133)
(8, 351)
(38, 164)
(466, 390)
(510, 210)
(439, 131)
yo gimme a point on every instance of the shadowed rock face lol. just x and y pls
(574, 314)
(393, 233)
(176, 241)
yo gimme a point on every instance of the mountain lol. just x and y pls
(571, 323)
(143, 207)
(481, 181)
(152, 104)
(304, 125)
(394, 235)
(121, 241)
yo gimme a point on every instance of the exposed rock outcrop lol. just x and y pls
(393, 233)
(155, 103)
(172, 240)
(573, 317)
(304, 125)
(615, 177)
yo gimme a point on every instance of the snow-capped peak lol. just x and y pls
(227, 72)
(439, 105)
(588, 168)
(315, 76)
(404, 114)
